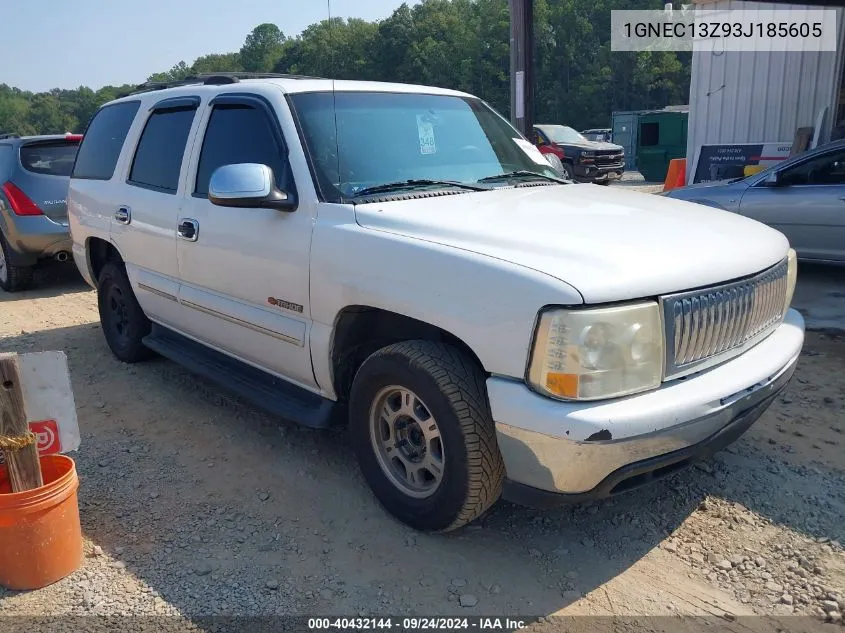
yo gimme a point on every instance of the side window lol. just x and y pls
(649, 134)
(828, 169)
(158, 157)
(103, 140)
(240, 134)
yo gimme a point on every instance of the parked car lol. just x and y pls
(399, 258)
(583, 160)
(600, 135)
(803, 197)
(34, 176)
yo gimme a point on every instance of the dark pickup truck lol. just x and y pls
(583, 160)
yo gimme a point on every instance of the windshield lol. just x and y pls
(597, 136)
(562, 134)
(385, 137)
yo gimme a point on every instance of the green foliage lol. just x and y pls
(262, 48)
(461, 44)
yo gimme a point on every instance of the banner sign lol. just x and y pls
(723, 161)
(48, 402)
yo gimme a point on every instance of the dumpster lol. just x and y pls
(661, 136)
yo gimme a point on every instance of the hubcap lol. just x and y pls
(406, 441)
(3, 270)
(118, 314)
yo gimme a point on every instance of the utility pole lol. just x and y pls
(522, 64)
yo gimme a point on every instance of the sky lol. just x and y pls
(65, 44)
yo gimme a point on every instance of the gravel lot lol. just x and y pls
(196, 504)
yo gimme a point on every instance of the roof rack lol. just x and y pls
(210, 79)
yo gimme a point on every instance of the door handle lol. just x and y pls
(188, 230)
(123, 215)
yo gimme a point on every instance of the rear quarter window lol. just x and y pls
(51, 159)
(103, 141)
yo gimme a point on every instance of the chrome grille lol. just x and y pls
(712, 324)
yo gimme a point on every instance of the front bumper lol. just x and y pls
(557, 452)
(598, 173)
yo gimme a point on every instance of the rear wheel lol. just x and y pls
(124, 322)
(12, 278)
(424, 436)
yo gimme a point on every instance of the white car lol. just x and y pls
(400, 258)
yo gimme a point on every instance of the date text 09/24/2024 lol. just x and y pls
(416, 623)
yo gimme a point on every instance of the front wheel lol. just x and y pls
(568, 173)
(424, 437)
(124, 322)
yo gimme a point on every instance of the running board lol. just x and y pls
(261, 389)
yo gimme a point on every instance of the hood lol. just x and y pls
(593, 146)
(610, 244)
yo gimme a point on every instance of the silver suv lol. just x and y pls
(34, 177)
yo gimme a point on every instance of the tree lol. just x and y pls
(461, 44)
(214, 63)
(177, 73)
(263, 48)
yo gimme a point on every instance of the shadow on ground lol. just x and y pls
(194, 489)
(820, 296)
(50, 280)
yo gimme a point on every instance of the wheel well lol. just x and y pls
(362, 330)
(99, 252)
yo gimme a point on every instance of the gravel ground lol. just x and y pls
(195, 504)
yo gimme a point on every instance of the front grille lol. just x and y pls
(712, 324)
(615, 158)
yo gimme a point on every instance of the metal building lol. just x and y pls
(763, 96)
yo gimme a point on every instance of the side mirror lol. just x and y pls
(773, 179)
(248, 185)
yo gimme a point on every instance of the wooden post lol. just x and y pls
(22, 464)
(522, 65)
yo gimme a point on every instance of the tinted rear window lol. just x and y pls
(103, 141)
(158, 158)
(52, 159)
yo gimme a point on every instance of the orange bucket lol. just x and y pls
(40, 535)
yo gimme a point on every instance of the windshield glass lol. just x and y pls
(385, 137)
(597, 136)
(563, 134)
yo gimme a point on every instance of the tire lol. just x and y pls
(450, 388)
(124, 323)
(12, 278)
(567, 172)
(604, 182)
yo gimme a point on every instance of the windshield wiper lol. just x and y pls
(410, 184)
(522, 173)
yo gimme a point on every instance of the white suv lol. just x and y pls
(401, 258)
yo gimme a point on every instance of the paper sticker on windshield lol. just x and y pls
(426, 131)
(532, 152)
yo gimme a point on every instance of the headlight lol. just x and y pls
(589, 354)
(791, 277)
